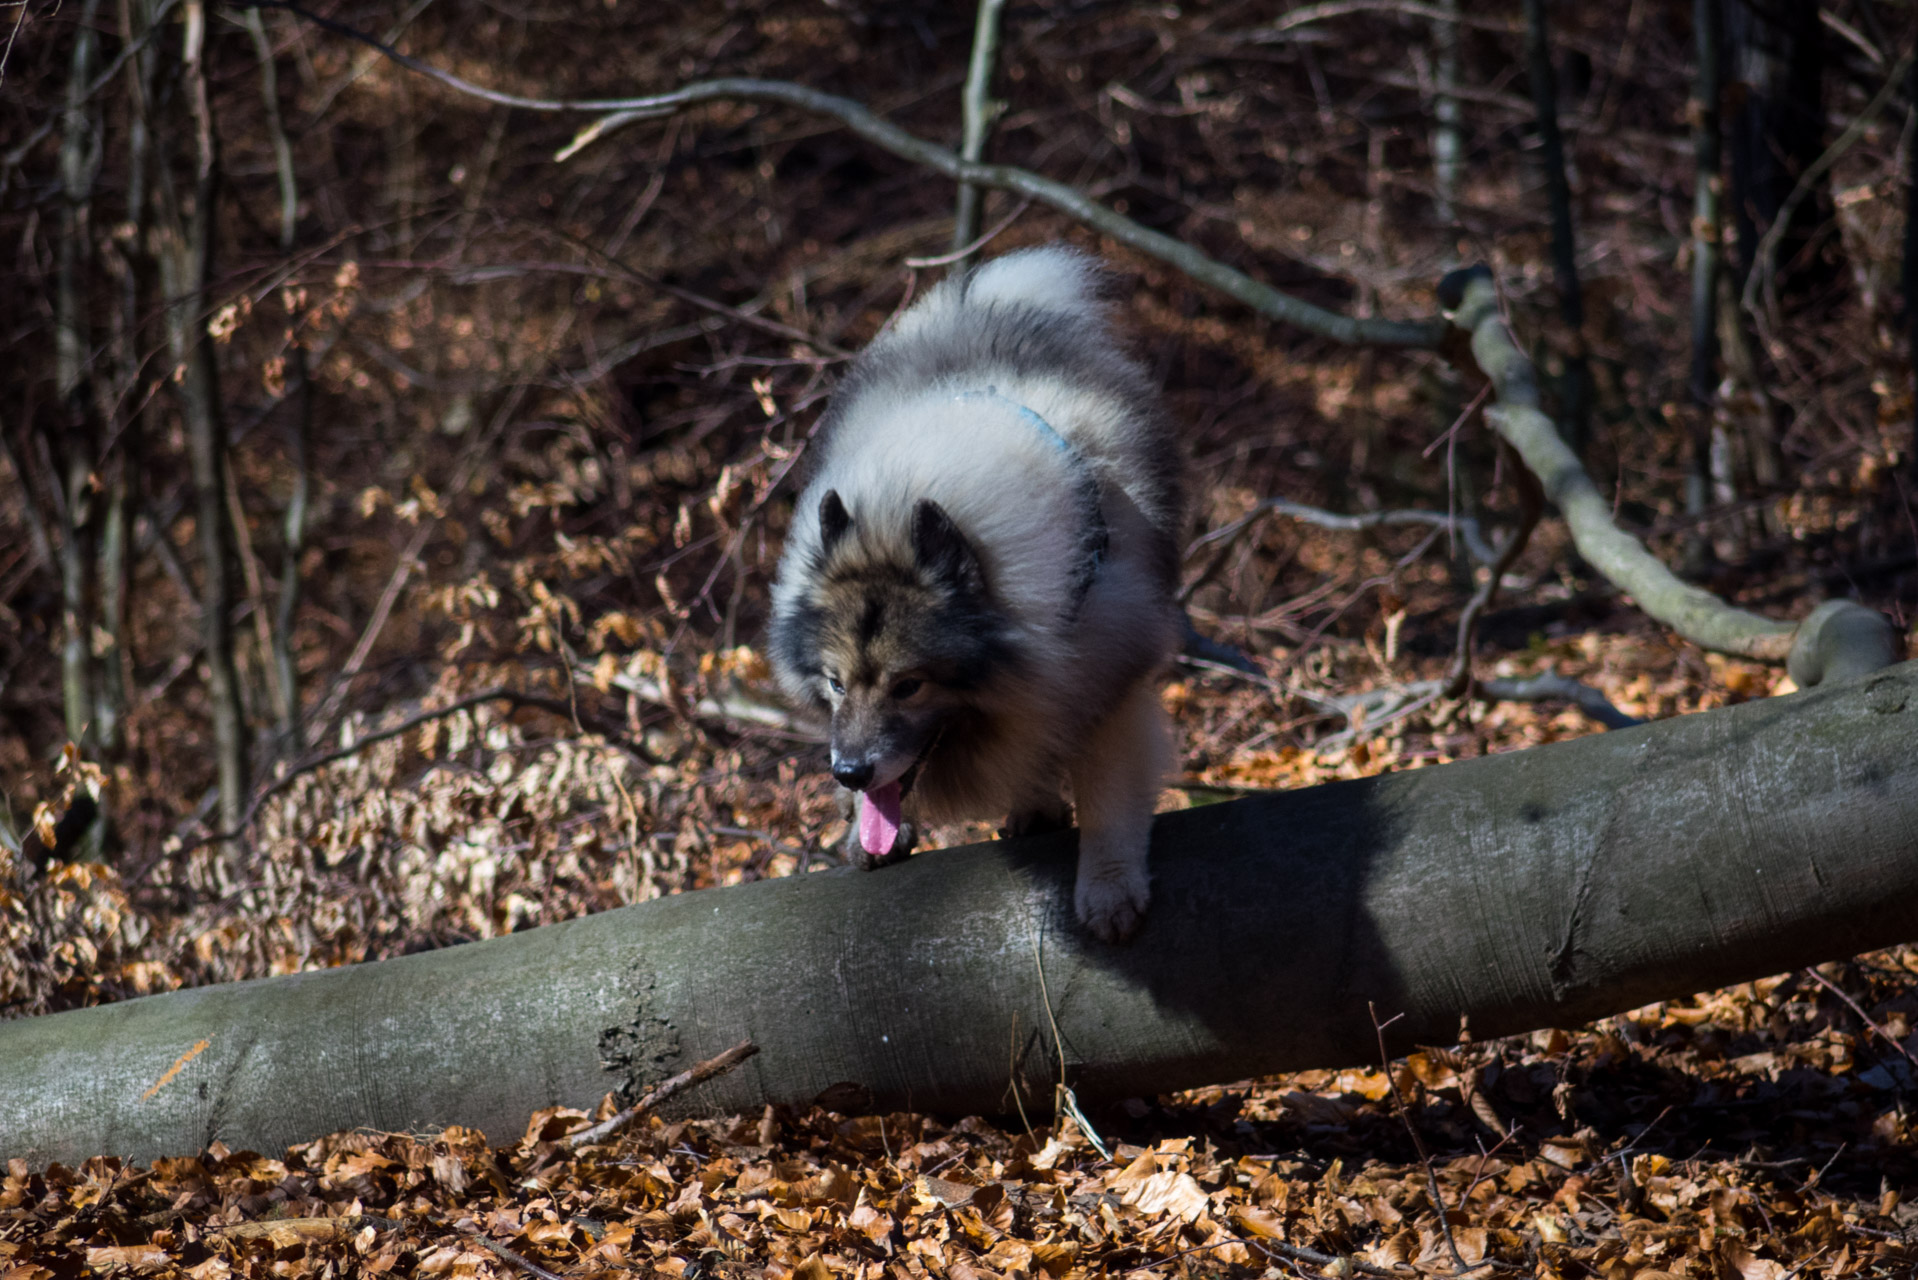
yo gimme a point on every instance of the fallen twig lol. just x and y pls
(1418, 1144)
(519, 1260)
(1550, 687)
(699, 1073)
(1858, 1009)
(737, 704)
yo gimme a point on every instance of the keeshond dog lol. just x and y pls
(979, 580)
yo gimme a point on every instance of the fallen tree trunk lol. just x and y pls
(1543, 887)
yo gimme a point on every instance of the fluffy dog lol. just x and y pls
(979, 580)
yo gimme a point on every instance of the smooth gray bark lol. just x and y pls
(1543, 887)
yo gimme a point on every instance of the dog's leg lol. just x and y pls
(1037, 815)
(1115, 784)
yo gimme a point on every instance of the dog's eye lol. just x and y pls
(832, 682)
(906, 688)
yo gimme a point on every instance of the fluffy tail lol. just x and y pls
(1055, 278)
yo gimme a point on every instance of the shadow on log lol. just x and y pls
(1543, 887)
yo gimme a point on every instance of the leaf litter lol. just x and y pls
(1760, 1132)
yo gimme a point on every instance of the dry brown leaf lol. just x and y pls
(1056, 1259)
(1750, 1266)
(1263, 1223)
(944, 1192)
(286, 1233)
(1167, 1192)
(141, 1257)
(813, 1268)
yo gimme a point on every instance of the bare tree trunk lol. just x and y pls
(186, 246)
(1575, 389)
(37, 532)
(110, 693)
(78, 433)
(1705, 190)
(286, 681)
(1776, 56)
(1540, 888)
(1446, 148)
(131, 272)
(1911, 265)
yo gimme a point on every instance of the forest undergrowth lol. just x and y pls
(557, 412)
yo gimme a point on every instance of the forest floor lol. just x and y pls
(571, 485)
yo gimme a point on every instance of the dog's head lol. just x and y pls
(892, 639)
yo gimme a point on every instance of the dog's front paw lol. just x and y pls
(1112, 902)
(902, 846)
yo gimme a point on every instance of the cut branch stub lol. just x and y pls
(1840, 639)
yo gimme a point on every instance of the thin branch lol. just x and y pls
(1531, 504)
(1058, 196)
(737, 705)
(1694, 613)
(1446, 149)
(1859, 1009)
(283, 672)
(17, 155)
(1306, 14)
(1551, 687)
(978, 111)
(1418, 1144)
(519, 1260)
(1203, 651)
(1763, 272)
(1466, 527)
(967, 251)
(699, 1073)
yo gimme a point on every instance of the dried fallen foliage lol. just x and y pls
(1750, 1134)
(583, 473)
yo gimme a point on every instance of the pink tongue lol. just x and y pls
(879, 819)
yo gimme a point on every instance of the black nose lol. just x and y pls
(852, 774)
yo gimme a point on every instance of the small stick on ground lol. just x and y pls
(1418, 1144)
(1858, 1009)
(696, 1074)
(519, 1260)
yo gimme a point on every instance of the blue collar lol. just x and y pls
(1093, 541)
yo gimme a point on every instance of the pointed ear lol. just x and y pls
(833, 520)
(942, 551)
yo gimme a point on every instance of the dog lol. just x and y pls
(979, 581)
